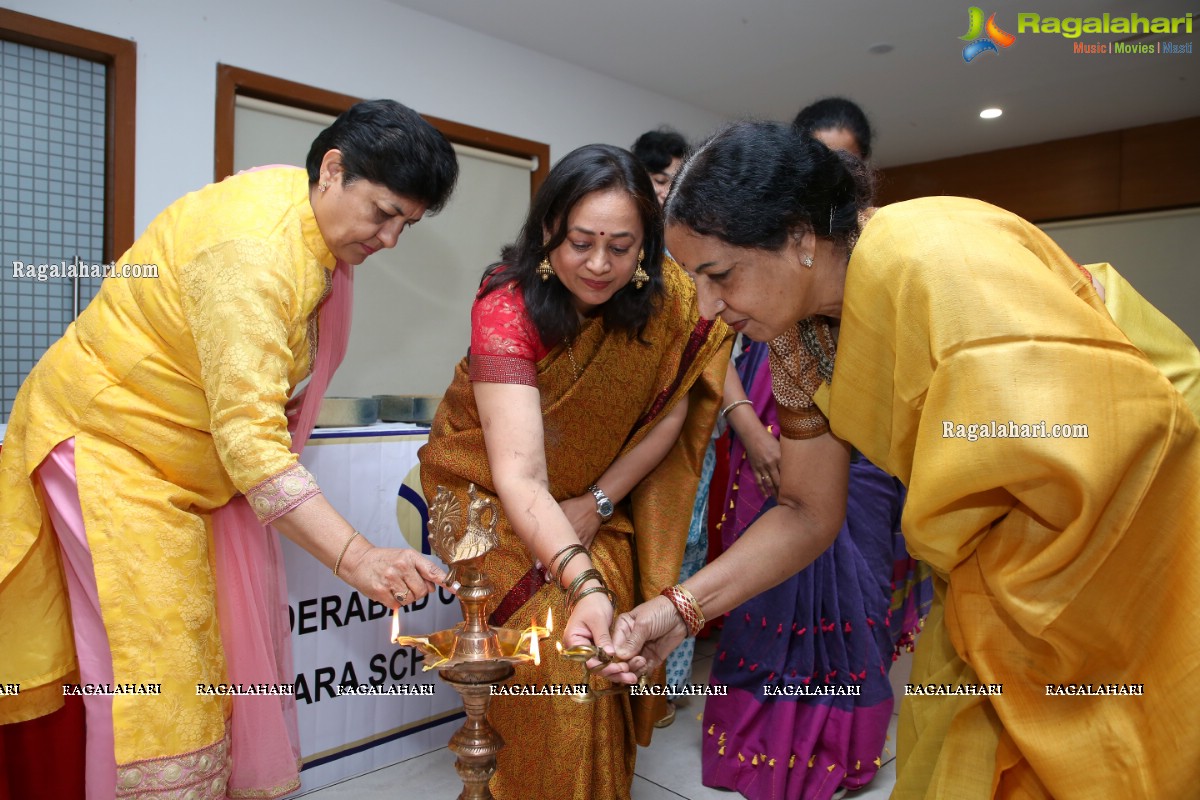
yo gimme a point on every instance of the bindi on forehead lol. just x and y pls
(590, 232)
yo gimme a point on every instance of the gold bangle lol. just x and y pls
(553, 558)
(725, 411)
(612, 597)
(338, 564)
(571, 551)
(583, 577)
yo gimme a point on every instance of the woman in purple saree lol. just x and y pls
(837, 626)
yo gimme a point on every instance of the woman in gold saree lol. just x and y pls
(584, 405)
(949, 341)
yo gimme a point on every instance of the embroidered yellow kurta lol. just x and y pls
(174, 389)
(1058, 561)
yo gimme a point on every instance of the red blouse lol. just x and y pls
(505, 345)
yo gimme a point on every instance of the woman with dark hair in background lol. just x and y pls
(916, 333)
(842, 125)
(584, 407)
(661, 152)
(839, 123)
(151, 446)
(866, 586)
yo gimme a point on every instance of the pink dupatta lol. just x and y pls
(252, 592)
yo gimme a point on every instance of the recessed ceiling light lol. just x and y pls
(990, 113)
(880, 49)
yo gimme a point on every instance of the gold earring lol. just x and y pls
(324, 186)
(640, 276)
(544, 269)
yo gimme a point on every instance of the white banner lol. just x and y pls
(341, 640)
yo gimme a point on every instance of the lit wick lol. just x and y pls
(395, 625)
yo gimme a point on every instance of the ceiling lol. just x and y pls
(767, 58)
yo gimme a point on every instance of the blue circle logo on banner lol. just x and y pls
(412, 513)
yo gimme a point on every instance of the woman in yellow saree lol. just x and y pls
(1051, 468)
(585, 406)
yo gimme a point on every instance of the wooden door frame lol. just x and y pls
(234, 81)
(119, 56)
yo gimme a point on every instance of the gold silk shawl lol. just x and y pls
(623, 389)
(1152, 332)
(174, 389)
(1058, 561)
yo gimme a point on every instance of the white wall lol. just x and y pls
(366, 48)
(1155, 252)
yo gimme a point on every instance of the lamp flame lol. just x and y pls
(534, 649)
(549, 621)
(395, 625)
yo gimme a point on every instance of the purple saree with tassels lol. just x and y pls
(834, 627)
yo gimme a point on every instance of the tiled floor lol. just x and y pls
(667, 770)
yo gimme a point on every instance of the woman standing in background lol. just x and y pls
(865, 591)
(662, 152)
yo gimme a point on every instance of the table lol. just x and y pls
(371, 476)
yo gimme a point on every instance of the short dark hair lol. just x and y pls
(388, 143)
(753, 184)
(591, 168)
(833, 113)
(658, 148)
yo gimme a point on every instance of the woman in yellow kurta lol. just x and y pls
(1066, 560)
(585, 406)
(172, 396)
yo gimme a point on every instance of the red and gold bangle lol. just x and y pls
(687, 606)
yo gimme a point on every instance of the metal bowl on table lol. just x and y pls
(347, 412)
(415, 408)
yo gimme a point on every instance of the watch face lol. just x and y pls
(604, 506)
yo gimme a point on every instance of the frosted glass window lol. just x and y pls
(52, 142)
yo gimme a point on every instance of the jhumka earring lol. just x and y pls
(640, 276)
(544, 269)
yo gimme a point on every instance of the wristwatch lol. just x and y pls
(604, 506)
